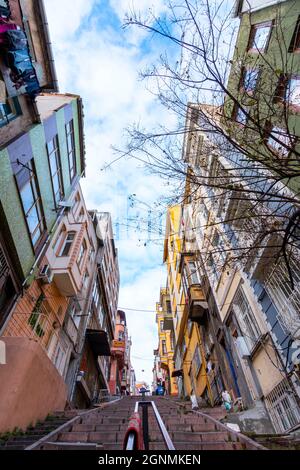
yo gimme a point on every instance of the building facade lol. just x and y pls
(241, 323)
(119, 360)
(165, 354)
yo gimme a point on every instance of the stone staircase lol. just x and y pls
(104, 428)
(19, 440)
(193, 431)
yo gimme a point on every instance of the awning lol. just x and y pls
(99, 342)
(177, 373)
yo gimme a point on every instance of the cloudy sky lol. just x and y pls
(98, 59)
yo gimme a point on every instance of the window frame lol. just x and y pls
(16, 111)
(254, 28)
(245, 71)
(295, 41)
(65, 241)
(273, 148)
(197, 364)
(81, 255)
(31, 179)
(58, 172)
(70, 133)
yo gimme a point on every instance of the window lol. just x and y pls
(246, 319)
(9, 108)
(75, 315)
(169, 308)
(31, 202)
(55, 169)
(161, 325)
(66, 247)
(295, 42)
(260, 37)
(76, 202)
(280, 141)
(81, 254)
(240, 115)
(197, 361)
(288, 89)
(193, 275)
(7, 286)
(96, 294)
(101, 314)
(292, 92)
(59, 240)
(250, 79)
(80, 217)
(164, 347)
(172, 342)
(71, 149)
(121, 336)
(86, 280)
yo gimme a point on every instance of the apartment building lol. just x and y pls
(264, 82)
(41, 168)
(187, 303)
(248, 325)
(119, 357)
(165, 354)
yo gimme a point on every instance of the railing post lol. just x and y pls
(145, 424)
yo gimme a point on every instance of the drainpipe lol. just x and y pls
(48, 45)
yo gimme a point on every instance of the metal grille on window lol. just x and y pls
(282, 406)
(286, 299)
(246, 319)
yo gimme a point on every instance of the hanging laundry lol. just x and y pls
(18, 66)
(4, 12)
(14, 40)
(7, 27)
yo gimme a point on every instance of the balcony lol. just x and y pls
(197, 304)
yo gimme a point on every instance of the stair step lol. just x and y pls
(210, 436)
(71, 446)
(208, 446)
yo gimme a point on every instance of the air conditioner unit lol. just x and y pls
(46, 275)
(65, 204)
(242, 346)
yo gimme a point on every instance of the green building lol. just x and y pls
(39, 168)
(263, 111)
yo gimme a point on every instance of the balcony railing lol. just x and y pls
(286, 299)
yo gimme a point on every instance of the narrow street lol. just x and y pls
(104, 428)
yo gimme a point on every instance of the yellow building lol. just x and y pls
(164, 321)
(188, 305)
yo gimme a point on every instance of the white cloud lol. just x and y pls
(143, 7)
(65, 17)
